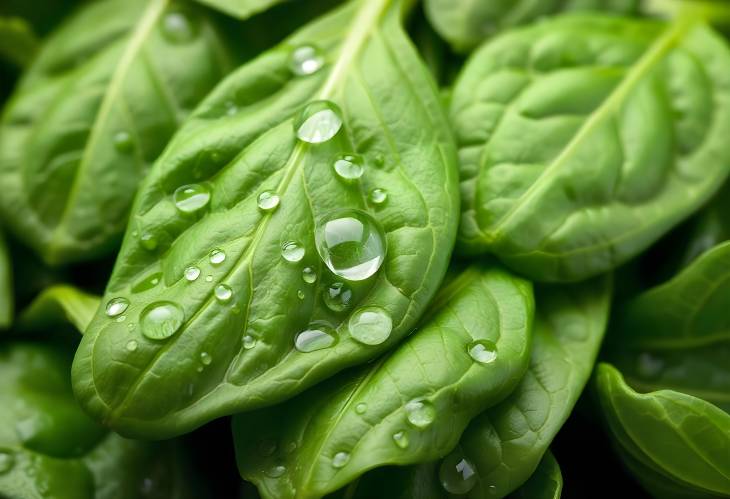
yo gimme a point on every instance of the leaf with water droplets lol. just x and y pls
(94, 110)
(409, 407)
(397, 258)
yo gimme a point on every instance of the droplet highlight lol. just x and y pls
(148, 241)
(340, 459)
(309, 275)
(191, 198)
(420, 413)
(337, 296)
(268, 201)
(349, 167)
(306, 60)
(370, 325)
(178, 27)
(292, 251)
(457, 474)
(217, 256)
(132, 346)
(483, 351)
(116, 306)
(378, 196)
(318, 122)
(401, 439)
(317, 336)
(249, 342)
(161, 320)
(123, 142)
(192, 273)
(223, 293)
(205, 358)
(361, 408)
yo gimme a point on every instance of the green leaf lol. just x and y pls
(409, 407)
(18, 44)
(59, 304)
(50, 448)
(466, 23)
(677, 335)
(583, 139)
(240, 144)
(6, 286)
(675, 441)
(545, 483)
(93, 111)
(242, 9)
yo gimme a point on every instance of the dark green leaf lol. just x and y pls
(6, 286)
(583, 139)
(18, 44)
(545, 483)
(59, 304)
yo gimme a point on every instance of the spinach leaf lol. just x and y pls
(6, 286)
(242, 9)
(409, 407)
(583, 139)
(50, 448)
(18, 44)
(545, 483)
(466, 23)
(217, 281)
(677, 335)
(59, 304)
(676, 444)
(92, 112)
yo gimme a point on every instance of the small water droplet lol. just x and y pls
(116, 306)
(276, 471)
(340, 459)
(249, 342)
(192, 273)
(161, 320)
(300, 294)
(378, 196)
(205, 358)
(223, 293)
(231, 108)
(292, 251)
(191, 198)
(483, 351)
(317, 336)
(349, 167)
(401, 439)
(309, 275)
(457, 474)
(209, 278)
(361, 408)
(318, 122)
(267, 447)
(217, 256)
(148, 241)
(132, 345)
(378, 160)
(123, 142)
(7, 460)
(337, 296)
(370, 325)
(178, 27)
(121, 318)
(420, 413)
(306, 60)
(131, 326)
(268, 201)
(351, 243)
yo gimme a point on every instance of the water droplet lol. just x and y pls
(317, 336)
(378, 196)
(147, 283)
(401, 439)
(267, 447)
(131, 326)
(276, 471)
(370, 325)
(161, 320)
(268, 201)
(231, 108)
(192, 273)
(123, 142)
(306, 60)
(148, 241)
(361, 408)
(300, 294)
(378, 160)
(351, 243)
(178, 27)
(340, 459)
(420, 413)
(349, 167)
(7, 460)
(483, 351)
(223, 293)
(309, 275)
(457, 474)
(116, 306)
(292, 251)
(337, 296)
(191, 198)
(132, 345)
(205, 358)
(209, 278)
(318, 122)
(249, 342)
(217, 256)
(121, 318)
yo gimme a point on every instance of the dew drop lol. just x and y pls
(337, 296)
(7, 460)
(132, 345)
(457, 474)
(217, 256)
(340, 459)
(161, 320)
(205, 358)
(306, 60)
(317, 336)
(378, 160)
(191, 198)
(123, 142)
(223, 293)
(148, 241)
(209, 278)
(401, 439)
(300, 294)
(349, 167)
(268, 201)
(116, 306)
(231, 108)
(378, 196)
(483, 351)
(351, 243)
(370, 325)
(276, 471)
(178, 27)
(361, 408)
(309, 275)
(192, 273)
(292, 251)
(121, 318)
(249, 342)
(420, 413)
(267, 447)
(318, 122)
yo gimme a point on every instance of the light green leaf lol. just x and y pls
(242, 9)
(58, 304)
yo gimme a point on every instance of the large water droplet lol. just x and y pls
(148, 241)
(123, 142)
(361, 408)
(337, 296)
(7, 460)
(292, 251)
(116, 306)
(351, 243)
(205, 358)
(378, 196)
(276, 471)
(161, 320)
(340, 459)
(192, 273)
(306, 60)
(349, 167)
(457, 474)
(420, 413)
(370, 325)
(401, 439)
(249, 342)
(318, 122)
(317, 336)
(483, 351)
(223, 293)
(132, 345)
(178, 27)
(268, 201)
(309, 275)
(217, 256)
(191, 198)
